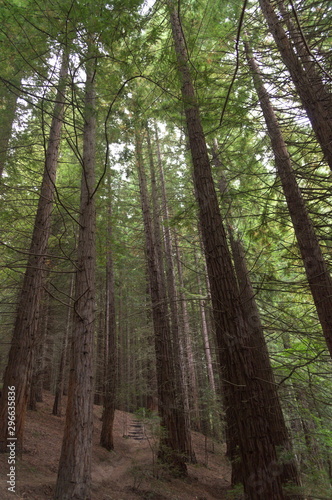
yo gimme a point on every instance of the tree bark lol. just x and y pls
(74, 474)
(192, 378)
(314, 94)
(177, 339)
(278, 429)
(317, 273)
(245, 398)
(205, 335)
(19, 369)
(99, 363)
(57, 405)
(172, 446)
(106, 437)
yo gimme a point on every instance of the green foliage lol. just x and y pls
(136, 82)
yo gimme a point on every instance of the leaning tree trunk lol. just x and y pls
(172, 446)
(110, 383)
(317, 273)
(74, 474)
(314, 94)
(278, 429)
(245, 398)
(25, 339)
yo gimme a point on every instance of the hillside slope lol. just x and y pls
(127, 473)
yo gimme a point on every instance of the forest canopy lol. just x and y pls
(165, 193)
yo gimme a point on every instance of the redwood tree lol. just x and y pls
(172, 447)
(25, 339)
(313, 92)
(317, 273)
(74, 474)
(110, 383)
(245, 394)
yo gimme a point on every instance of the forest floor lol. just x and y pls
(127, 473)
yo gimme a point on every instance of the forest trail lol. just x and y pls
(123, 474)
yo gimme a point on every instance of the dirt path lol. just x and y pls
(128, 473)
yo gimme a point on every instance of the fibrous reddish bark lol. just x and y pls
(110, 383)
(172, 446)
(25, 339)
(74, 474)
(245, 398)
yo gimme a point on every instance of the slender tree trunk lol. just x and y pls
(99, 362)
(74, 474)
(192, 379)
(205, 334)
(246, 401)
(19, 369)
(317, 273)
(41, 348)
(177, 340)
(172, 445)
(106, 437)
(57, 405)
(9, 98)
(314, 94)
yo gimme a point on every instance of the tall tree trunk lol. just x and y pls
(177, 339)
(9, 98)
(278, 429)
(19, 369)
(172, 445)
(106, 437)
(192, 379)
(317, 273)
(314, 94)
(41, 348)
(36, 386)
(57, 405)
(246, 401)
(99, 362)
(74, 474)
(205, 335)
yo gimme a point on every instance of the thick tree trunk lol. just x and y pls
(106, 437)
(278, 429)
(245, 398)
(36, 387)
(19, 369)
(317, 273)
(172, 446)
(74, 474)
(314, 94)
